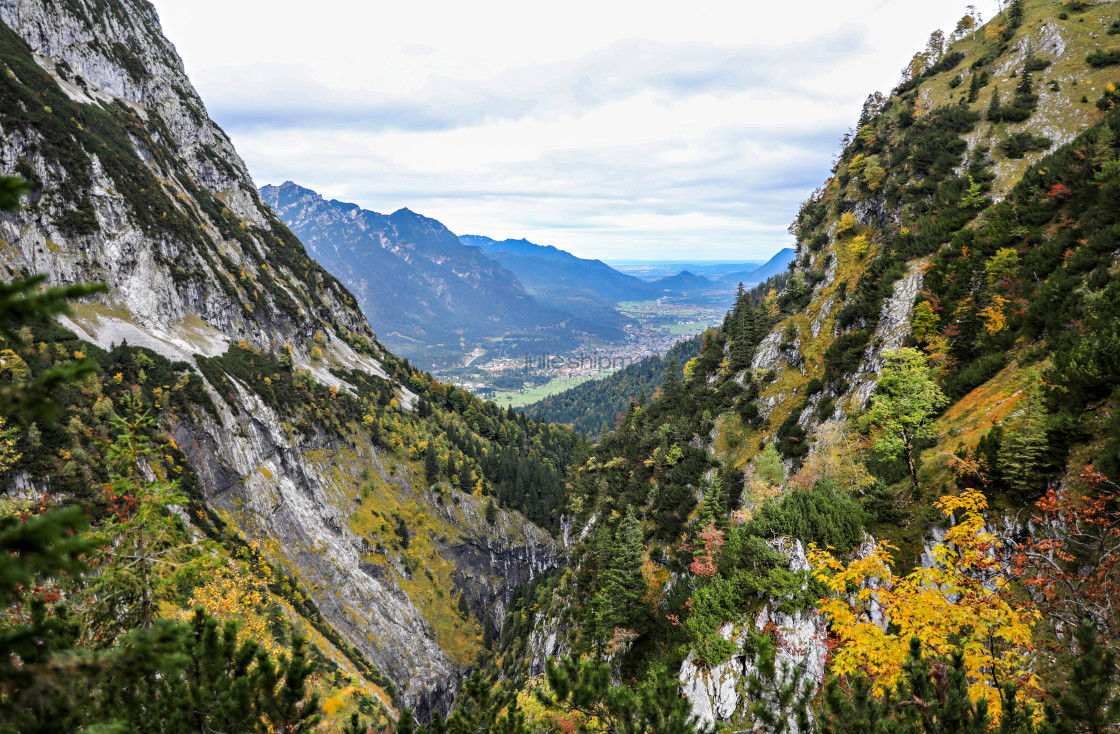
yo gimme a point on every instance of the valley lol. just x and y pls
(272, 461)
(655, 327)
(503, 318)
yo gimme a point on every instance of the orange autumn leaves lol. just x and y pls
(962, 599)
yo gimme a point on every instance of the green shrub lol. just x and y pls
(824, 515)
(1104, 57)
(1018, 144)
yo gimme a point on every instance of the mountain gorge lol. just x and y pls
(880, 495)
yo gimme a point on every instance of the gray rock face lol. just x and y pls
(297, 498)
(768, 354)
(487, 569)
(873, 211)
(715, 692)
(894, 325)
(114, 54)
(198, 289)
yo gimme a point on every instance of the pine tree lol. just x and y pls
(491, 511)
(1090, 704)
(994, 112)
(1102, 149)
(623, 583)
(974, 87)
(1025, 87)
(713, 503)
(431, 464)
(1014, 14)
(402, 532)
(406, 724)
(746, 334)
(487, 633)
(671, 385)
(1023, 446)
(356, 725)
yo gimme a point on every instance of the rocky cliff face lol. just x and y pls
(878, 221)
(136, 187)
(716, 692)
(307, 503)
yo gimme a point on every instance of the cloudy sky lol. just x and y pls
(611, 128)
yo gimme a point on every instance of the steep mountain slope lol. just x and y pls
(290, 428)
(975, 226)
(432, 297)
(562, 279)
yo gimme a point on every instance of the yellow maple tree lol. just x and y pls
(995, 320)
(962, 599)
(233, 593)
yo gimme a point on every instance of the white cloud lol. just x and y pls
(619, 129)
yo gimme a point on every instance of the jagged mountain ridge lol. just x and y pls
(181, 182)
(444, 298)
(134, 186)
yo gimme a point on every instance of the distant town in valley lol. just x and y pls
(519, 380)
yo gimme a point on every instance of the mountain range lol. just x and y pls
(433, 297)
(563, 280)
(438, 297)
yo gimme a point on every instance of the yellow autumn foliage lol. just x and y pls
(233, 593)
(962, 600)
(995, 320)
(846, 224)
(858, 246)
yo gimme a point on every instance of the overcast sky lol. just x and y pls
(613, 129)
